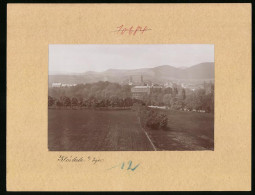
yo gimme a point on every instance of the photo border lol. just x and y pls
(3, 88)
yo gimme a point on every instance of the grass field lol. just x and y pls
(186, 131)
(120, 130)
(95, 130)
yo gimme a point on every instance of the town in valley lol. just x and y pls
(128, 106)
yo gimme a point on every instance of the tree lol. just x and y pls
(183, 94)
(66, 101)
(93, 104)
(212, 88)
(175, 91)
(125, 91)
(209, 103)
(200, 99)
(101, 103)
(80, 102)
(128, 102)
(59, 103)
(178, 105)
(74, 101)
(50, 101)
(167, 99)
(159, 99)
(168, 90)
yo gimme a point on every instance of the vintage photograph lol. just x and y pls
(146, 97)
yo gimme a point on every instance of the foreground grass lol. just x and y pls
(120, 130)
(95, 130)
(185, 131)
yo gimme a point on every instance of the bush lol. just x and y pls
(153, 119)
(163, 121)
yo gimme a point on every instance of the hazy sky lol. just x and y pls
(82, 58)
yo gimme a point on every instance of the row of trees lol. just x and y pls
(74, 102)
(197, 100)
(106, 90)
(104, 94)
(100, 90)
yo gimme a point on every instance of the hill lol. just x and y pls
(202, 71)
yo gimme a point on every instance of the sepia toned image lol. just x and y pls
(94, 109)
(131, 97)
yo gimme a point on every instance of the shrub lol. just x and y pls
(153, 119)
(163, 121)
(153, 122)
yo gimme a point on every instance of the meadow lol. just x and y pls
(120, 130)
(185, 131)
(95, 130)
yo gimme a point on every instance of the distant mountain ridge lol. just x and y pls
(202, 71)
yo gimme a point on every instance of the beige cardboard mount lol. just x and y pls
(30, 30)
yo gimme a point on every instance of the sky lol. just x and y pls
(67, 58)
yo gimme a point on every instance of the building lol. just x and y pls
(67, 85)
(130, 82)
(139, 92)
(156, 88)
(142, 82)
(183, 85)
(168, 84)
(136, 80)
(56, 84)
(62, 85)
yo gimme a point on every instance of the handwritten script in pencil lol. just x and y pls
(77, 159)
(122, 30)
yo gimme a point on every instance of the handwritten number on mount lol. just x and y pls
(129, 167)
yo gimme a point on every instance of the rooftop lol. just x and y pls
(139, 87)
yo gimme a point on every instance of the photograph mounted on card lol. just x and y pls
(131, 97)
(128, 97)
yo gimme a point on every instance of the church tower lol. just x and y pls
(130, 79)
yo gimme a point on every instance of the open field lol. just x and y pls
(186, 131)
(94, 130)
(120, 130)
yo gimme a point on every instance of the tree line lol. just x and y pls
(104, 94)
(91, 102)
